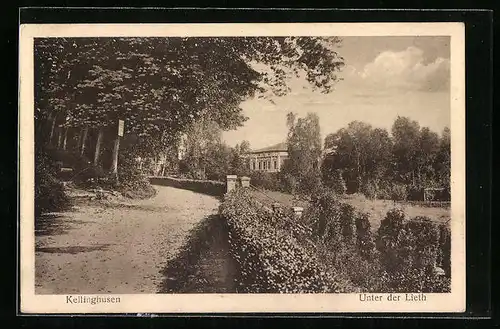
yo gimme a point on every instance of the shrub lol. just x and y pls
(370, 190)
(398, 192)
(362, 272)
(409, 250)
(391, 240)
(289, 183)
(49, 191)
(310, 183)
(323, 216)
(347, 224)
(444, 258)
(272, 250)
(364, 239)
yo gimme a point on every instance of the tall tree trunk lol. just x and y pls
(84, 140)
(114, 164)
(98, 146)
(65, 141)
(79, 143)
(52, 129)
(59, 137)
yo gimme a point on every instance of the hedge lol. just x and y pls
(214, 188)
(274, 251)
(331, 248)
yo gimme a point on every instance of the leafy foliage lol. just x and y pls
(387, 167)
(304, 152)
(273, 251)
(409, 250)
(49, 191)
(160, 85)
(276, 252)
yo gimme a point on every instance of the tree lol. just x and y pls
(239, 162)
(304, 151)
(442, 162)
(406, 137)
(426, 153)
(362, 153)
(160, 86)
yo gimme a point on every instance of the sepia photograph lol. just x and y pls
(306, 167)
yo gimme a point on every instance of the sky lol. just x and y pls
(383, 77)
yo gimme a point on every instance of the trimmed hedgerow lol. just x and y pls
(214, 188)
(274, 250)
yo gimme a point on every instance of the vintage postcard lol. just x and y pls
(234, 168)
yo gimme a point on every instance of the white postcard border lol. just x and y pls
(229, 303)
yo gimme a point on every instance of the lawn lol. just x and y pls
(377, 209)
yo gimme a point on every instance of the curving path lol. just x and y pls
(117, 247)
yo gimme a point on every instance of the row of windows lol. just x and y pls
(264, 165)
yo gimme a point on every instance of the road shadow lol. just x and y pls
(204, 265)
(72, 249)
(55, 224)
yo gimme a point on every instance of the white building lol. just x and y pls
(268, 159)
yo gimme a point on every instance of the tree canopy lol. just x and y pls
(159, 86)
(411, 155)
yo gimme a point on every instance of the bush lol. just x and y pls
(49, 191)
(310, 183)
(409, 250)
(386, 190)
(323, 216)
(272, 250)
(289, 183)
(370, 190)
(364, 238)
(344, 240)
(444, 258)
(398, 192)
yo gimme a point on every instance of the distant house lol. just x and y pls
(268, 159)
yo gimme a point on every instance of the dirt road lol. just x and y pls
(117, 248)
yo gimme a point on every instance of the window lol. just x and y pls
(269, 164)
(260, 165)
(264, 165)
(253, 165)
(275, 164)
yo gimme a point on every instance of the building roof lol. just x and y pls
(280, 147)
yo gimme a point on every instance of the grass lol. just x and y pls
(377, 209)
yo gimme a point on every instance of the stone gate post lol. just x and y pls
(230, 183)
(245, 181)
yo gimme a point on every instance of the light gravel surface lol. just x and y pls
(116, 247)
